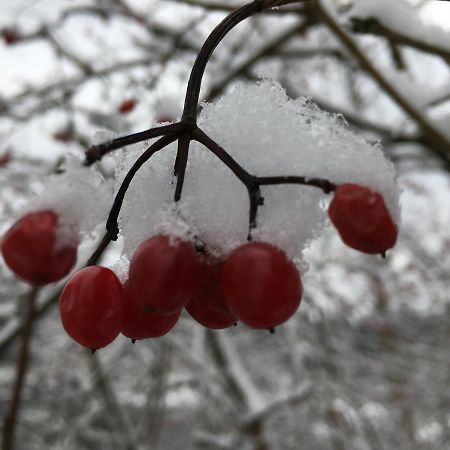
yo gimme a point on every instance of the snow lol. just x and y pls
(80, 196)
(268, 134)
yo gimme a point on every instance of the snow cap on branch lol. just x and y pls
(268, 134)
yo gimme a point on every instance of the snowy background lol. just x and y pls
(364, 363)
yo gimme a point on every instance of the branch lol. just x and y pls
(227, 7)
(373, 26)
(438, 141)
(10, 419)
(267, 50)
(112, 404)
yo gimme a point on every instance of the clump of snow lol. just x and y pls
(268, 134)
(80, 196)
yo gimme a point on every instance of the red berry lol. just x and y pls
(63, 135)
(362, 219)
(126, 106)
(5, 159)
(32, 250)
(140, 324)
(163, 274)
(10, 36)
(261, 286)
(92, 307)
(207, 305)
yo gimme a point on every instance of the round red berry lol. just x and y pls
(261, 286)
(362, 219)
(92, 307)
(207, 305)
(127, 106)
(34, 251)
(141, 324)
(10, 36)
(163, 274)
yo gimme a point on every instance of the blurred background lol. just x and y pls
(364, 364)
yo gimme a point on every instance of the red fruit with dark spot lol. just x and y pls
(163, 274)
(141, 324)
(92, 307)
(127, 106)
(207, 305)
(362, 219)
(34, 251)
(261, 286)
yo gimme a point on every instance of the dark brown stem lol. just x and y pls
(198, 69)
(111, 224)
(181, 163)
(320, 183)
(200, 136)
(96, 152)
(106, 240)
(224, 27)
(10, 421)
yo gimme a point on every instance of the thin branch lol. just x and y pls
(96, 152)
(227, 7)
(325, 185)
(111, 224)
(373, 26)
(438, 141)
(10, 421)
(267, 50)
(111, 402)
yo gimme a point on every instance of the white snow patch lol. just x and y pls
(268, 134)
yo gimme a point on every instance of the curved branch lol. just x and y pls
(111, 224)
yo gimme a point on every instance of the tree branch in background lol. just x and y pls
(373, 26)
(438, 142)
(10, 420)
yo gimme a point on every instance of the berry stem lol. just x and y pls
(106, 240)
(96, 152)
(181, 163)
(198, 69)
(111, 224)
(200, 136)
(320, 183)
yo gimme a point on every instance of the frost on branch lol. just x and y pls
(269, 135)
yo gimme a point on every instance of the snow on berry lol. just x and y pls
(80, 196)
(268, 134)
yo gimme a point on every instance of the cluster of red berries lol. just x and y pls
(256, 284)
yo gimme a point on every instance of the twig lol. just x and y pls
(112, 404)
(10, 419)
(373, 26)
(439, 143)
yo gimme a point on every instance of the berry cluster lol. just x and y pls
(256, 284)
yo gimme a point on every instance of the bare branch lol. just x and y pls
(438, 141)
(10, 420)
